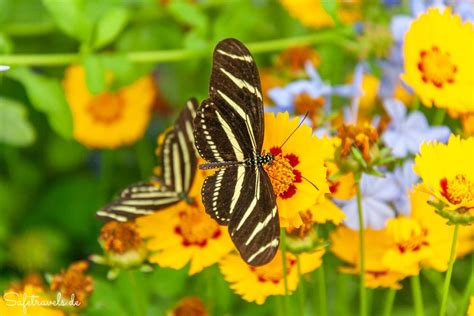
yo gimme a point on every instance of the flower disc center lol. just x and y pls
(436, 67)
(283, 174)
(196, 228)
(458, 190)
(106, 108)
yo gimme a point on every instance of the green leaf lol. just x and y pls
(47, 96)
(331, 8)
(70, 18)
(6, 45)
(189, 14)
(15, 129)
(109, 26)
(358, 156)
(95, 73)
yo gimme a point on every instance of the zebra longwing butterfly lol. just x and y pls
(228, 131)
(178, 160)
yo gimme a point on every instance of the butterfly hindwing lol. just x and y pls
(178, 159)
(254, 225)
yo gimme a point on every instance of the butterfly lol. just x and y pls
(228, 132)
(178, 160)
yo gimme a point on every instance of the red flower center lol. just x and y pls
(272, 272)
(283, 173)
(196, 228)
(457, 190)
(436, 67)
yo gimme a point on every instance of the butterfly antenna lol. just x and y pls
(299, 125)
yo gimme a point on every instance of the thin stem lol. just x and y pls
(447, 281)
(302, 292)
(285, 271)
(417, 295)
(389, 299)
(323, 311)
(439, 116)
(136, 294)
(336, 36)
(363, 294)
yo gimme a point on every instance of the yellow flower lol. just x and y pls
(110, 119)
(447, 174)
(326, 210)
(185, 233)
(438, 60)
(437, 234)
(31, 286)
(370, 89)
(255, 284)
(345, 245)
(467, 120)
(312, 13)
(294, 165)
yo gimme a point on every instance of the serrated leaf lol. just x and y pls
(189, 14)
(46, 95)
(70, 17)
(15, 129)
(95, 73)
(109, 26)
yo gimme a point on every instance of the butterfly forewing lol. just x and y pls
(178, 159)
(229, 130)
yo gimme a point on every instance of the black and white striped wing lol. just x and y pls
(178, 157)
(229, 125)
(243, 198)
(178, 163)
(136, 200)
(228, 131)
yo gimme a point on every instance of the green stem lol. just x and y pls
(138, 299)
(468, 292)
(447, 281)
(389, 299)
(363, 294)
(285, 277)
(417, 295)
(322, 291)
(336, 35)
(341, 308)
(439, 116)
(302, 292)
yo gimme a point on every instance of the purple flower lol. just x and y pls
(377, 195)
(406, 132)
(404, 178)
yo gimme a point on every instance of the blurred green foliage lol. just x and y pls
(51, 186)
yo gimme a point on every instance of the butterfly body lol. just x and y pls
(228, 131)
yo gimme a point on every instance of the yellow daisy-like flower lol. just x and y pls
(255, 284)
(297, 167)
(467, 121)
(438, 60)
(447, 173)
(110, 119)
(184, 234)
(312, 13)
(31, 291)
(437, 234)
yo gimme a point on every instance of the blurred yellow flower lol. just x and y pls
(438, 60)
(294, 165)
(255, 284)
(31, 286)
(293, 59)
(370, 89)
(470, 310)
(447, 173)
(110, 119)
(467, 121)
(312, 13)
(185, 233)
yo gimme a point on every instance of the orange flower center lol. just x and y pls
(436, 67)
(414, 243)
(295, 58)
(273, 272)
(282, 173)
(196, 228)
(190, 306)
(106, 108)
(120, 237)
(304, 103)
(362, 137)
(74, 281)
(458, 190)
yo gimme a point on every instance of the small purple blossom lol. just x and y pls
(377, 195)
(406, 132)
